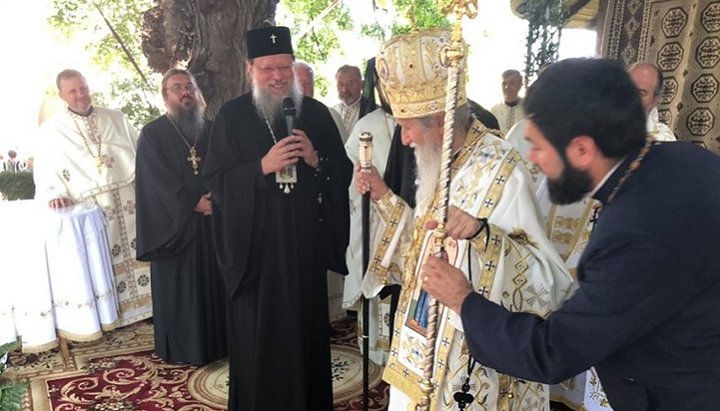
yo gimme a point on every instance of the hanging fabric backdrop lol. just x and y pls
(682, 37)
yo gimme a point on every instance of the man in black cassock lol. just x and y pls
(174, 228)
(280, 219)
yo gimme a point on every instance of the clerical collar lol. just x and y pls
(605, 179)
(514, 103)
(81, 114)
(629, 165)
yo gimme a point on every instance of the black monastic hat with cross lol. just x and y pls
(266, 41)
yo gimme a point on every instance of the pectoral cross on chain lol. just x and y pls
(194, 159)
(273, 37)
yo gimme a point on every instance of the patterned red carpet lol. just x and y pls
(121, 372)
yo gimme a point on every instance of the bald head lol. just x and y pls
(305, 78)
(648, 81)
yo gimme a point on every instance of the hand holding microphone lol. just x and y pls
(302, 144)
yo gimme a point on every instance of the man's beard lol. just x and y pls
(571, 186)
(270, 106)
(428, 160)
(189, 120)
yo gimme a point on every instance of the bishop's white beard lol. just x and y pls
(428, 160)
(270, 105)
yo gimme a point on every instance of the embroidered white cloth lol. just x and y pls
(66, 165)
(507, 116)
(56, 275)
(518, 268)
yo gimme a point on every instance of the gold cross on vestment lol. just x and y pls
(194, 159)
(273, 37)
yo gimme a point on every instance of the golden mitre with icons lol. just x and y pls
(413, 72)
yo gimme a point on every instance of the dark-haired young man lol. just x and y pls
(646, 313)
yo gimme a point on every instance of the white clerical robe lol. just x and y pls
(507, 115)
(344, 132)
(516, 267)
(349, 114)
(92, 159)
(568, 228)
(381, 125)
(656, 129)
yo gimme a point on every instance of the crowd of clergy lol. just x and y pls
(573, 234)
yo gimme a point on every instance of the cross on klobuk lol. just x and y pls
(273, 37)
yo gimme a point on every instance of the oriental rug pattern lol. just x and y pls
(122, 372)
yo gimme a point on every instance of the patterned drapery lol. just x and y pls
(682, 37)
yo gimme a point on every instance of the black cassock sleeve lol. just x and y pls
(233, 174)
(165, 203)
(335, 175)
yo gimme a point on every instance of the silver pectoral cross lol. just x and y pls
(194, 159)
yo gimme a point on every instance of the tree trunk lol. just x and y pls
(207, 37)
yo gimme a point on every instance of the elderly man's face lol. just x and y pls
(645, 80)
(349, 86)
(415, 133)
(273, 73)
(76, 94)
(305, 80)
(511, 87)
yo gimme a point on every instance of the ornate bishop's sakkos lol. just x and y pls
(452, 56)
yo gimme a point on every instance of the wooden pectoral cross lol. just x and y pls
(194, 159)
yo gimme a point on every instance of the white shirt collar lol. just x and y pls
(605, 179)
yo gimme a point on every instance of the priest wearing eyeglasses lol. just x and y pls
(173, 225)
(280, 220)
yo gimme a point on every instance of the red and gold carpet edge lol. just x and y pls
(122, 372)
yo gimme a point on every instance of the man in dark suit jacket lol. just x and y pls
(646, 312)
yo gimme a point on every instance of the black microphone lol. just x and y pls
(288, 106)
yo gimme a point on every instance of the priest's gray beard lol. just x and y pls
(428, 160)
(270, 105)
(189, 120)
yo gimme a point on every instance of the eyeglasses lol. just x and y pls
(177, 88)
(269, 69)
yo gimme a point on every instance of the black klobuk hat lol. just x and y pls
(267, 41)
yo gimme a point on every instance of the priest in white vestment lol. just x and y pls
(352, 106)
(496, 237)
(87, 154)
(381, 125)
(510, 110)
